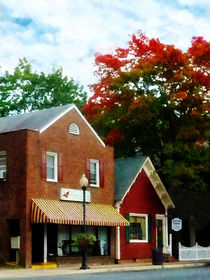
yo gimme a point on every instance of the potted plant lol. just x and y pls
(84, 240)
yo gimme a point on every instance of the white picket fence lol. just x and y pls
(195, 253)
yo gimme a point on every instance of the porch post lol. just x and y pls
(118, 243)
(45, 243)
(166, 231)
(117, 207)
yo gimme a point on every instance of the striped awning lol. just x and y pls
(65, 212)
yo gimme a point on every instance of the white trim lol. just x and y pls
(3, 171)
(146, 227)
(55, 155)
(166, 230)
(74, 129)
(156, 183)
(94, 132)
(131, 184)
(55, 120)
(65, 112)
(45, 243)
(163, 219)
(118, 256)
(96, 161)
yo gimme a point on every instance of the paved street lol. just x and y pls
(201, 273)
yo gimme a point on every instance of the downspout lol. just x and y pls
(117, 207)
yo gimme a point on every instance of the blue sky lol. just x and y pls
(67, 33)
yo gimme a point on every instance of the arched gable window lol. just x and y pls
(74, 129)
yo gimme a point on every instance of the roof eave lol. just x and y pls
(157, 184)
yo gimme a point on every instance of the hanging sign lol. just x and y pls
(74, 195)
(176, 224)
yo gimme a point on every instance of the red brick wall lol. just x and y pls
(13, 190)
(75, 150)
(24, 150)
(142, 199)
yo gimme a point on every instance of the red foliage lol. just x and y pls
(110, 61)
(181, 95)
(183, 76)
(200, 51)
(113, 137)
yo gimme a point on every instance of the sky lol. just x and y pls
(67, 33)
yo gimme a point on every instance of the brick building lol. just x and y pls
(43, 155)
(141, 197)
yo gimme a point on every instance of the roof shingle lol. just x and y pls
(36, 120)
(125, 170)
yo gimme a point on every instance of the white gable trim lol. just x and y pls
(65, 112)
(121, 201)
(84, 119)
(55, 120)
(156, 183)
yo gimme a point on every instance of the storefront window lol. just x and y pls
(103, 240)
(67, 233)
(63, 240)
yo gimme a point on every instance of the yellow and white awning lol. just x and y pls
(65, 212)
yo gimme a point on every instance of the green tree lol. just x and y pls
(26, 90)
(153, 98)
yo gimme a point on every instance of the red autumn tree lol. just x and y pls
(153, 98)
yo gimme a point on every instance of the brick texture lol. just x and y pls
(24, 150)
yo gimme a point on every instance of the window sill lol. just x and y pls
(138, 241)
(94, 186)
(52, 181)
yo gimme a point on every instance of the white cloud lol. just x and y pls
(68, 33)
(194, 2)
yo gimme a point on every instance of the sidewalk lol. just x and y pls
(29, 272)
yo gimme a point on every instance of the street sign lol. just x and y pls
(176, 224)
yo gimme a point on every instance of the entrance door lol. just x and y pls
(37, 243)
(159, 233)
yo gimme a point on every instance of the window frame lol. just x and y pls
(55, 155)
(74, 129)
(3, 154)
(146, 228)
(97, 162)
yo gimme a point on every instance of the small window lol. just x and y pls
(52, 167)
(94, 173)
(138, 228)
(74, 129)
(3, 165)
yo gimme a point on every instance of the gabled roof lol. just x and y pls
(34, 120)
(126, 172)
(40, 120)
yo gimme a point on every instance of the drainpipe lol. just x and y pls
(117, 207)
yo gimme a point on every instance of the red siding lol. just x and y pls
(142, 199)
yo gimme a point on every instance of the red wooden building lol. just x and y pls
(43, 155)
(141, 197)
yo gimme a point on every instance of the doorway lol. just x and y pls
(37, 243)
(160, 232)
